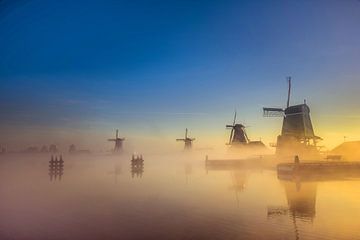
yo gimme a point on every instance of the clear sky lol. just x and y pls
(73, 70)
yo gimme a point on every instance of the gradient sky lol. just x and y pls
(72, 70)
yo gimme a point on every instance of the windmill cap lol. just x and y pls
(301, 108)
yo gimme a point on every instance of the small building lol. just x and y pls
(348, 150)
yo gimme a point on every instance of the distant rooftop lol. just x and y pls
(349, 150)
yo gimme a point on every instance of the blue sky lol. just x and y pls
(159, 66)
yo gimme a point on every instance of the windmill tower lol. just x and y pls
(297, 135)
(238, 134)
(187, 140)
(118, 142)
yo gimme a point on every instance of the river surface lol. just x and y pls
(169, 197)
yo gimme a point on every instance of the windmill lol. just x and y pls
(297, 135)
(118, 142)
(187, 140)
(238, 133)
(239, 138)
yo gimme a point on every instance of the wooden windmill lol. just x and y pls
(240, 140)
(238, 134)
(187, 140)
(297, 135)
(118, 142)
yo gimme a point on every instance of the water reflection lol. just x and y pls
(226, 203)
(117, 171)
(56, 168)
(137, 170)
(188, 171)
(301, 189)
(301, 200)
(238, 176)
(137, 166)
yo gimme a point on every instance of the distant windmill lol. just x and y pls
(187, 140)
(239, 138)
(238, 133)
(118, 142)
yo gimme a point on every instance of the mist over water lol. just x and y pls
(172, 196)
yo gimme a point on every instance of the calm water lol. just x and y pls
(171, 197)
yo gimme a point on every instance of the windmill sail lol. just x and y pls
(273, 112)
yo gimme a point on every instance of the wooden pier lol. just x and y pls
(320, 170)
(224, 164)
(317, 166)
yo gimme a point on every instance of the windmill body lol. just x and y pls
(297, 135)
(238, 134)
(187, 140)
(118, 142)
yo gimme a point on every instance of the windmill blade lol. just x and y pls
(234, 119)
(231, 135)
(273, 112)
(246, 136)
(186, 132)
(289, 91)
(230, 126)
(180, 139)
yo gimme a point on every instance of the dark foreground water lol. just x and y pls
(171, 197)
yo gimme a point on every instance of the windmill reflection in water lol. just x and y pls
(137, 166)
(301, 199)
(56, 168)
